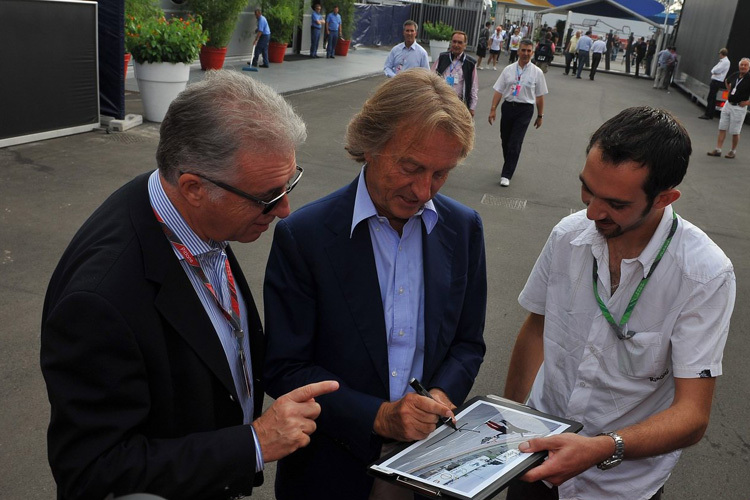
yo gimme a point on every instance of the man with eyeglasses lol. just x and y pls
(375, 284)
(629, 314)
(152, 347)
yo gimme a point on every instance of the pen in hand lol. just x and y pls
(419, 389)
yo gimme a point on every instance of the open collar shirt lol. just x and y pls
(399, 264)
(212, 257)
(530, 78)
(584, 43)
(720, 70)
(456, 70)
(589, 374)
(402, 57)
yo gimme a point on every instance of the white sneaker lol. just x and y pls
(479, 68)
(494, 69)
(505, 182)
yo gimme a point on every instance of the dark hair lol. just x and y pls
(651, 137)
(525, 41)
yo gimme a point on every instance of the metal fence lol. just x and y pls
(468, 20)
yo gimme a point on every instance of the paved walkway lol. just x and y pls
(299, 73)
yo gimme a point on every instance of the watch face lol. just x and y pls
(609, 463)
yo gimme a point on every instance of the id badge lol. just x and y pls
(450, 79)
(734, 89)
(516, 90)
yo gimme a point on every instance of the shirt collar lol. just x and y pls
(174, 221)
(590, 236)
(364, 208)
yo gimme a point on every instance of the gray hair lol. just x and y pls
(745, 59)
(212, 120)
(415, 98)
(409, 22)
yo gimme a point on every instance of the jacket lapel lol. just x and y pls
(176, 299)
(353, 262)
(437, 252)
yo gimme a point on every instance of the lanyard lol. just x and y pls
(233, 315)
(519, 74)
(621, 329)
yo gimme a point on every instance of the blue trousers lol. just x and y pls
(583, 60)
(333, 38)
(514, 120)
(262, 46)
(314, 41)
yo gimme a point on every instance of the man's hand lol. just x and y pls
(569, 455)
(538, 122)
(411, 418)
(288, 423)
(491, 118)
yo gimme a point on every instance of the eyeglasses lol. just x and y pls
(267, 205)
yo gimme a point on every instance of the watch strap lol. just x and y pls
(617, 456)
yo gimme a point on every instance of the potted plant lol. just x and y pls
(219, 20)
(282, 16)
(346, 11)
(137, 9)
(439, 35)
(163, 50)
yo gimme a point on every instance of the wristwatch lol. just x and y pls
(616, 458)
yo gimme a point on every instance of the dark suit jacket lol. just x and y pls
(141, 393)
(324, 320)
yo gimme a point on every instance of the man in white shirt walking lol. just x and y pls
(407, 54)
(629, 314)
(523, 84)
(718, 75)
(598, 48)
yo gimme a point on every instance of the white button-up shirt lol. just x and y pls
(530, 78)
(589, 374)
(720, 70)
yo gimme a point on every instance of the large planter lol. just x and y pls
(127, 61)
(159, 84)
(276, 52)
(212, 57)
(342, 47)
(437, 47)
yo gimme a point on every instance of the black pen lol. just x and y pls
(419, 389)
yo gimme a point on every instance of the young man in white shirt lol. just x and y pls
(629, 314)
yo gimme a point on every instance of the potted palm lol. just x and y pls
(219, 20)
(163, 50)
(282, 16)
(439, 35)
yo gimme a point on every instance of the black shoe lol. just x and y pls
(250, 63)
(333, 57)
(578, 77)
(264, 66)
(704, 117)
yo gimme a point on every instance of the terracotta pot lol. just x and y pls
(127, 61)
(276, 52)
(212, 57)
(342, 47)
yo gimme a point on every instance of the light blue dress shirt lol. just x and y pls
(263, 26)
(402, 57)
(333, 21)
(584, 43)
(398, 260)
(212, 257)
(314, 21)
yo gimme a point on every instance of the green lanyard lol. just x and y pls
(622, 332)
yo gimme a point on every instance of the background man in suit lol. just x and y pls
(378, 282)
(152, 380)
(459, 70)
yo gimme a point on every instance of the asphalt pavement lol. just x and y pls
(48, 188)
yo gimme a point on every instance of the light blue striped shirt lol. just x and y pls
(398, 260)
(402, 57)
(212, 257)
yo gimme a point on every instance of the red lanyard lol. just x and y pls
(233, 316)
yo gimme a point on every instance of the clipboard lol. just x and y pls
(480, 459)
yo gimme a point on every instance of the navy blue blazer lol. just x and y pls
(324, 320)
(141, 392)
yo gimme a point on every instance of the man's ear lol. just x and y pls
(666, 197)
(191, 189)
